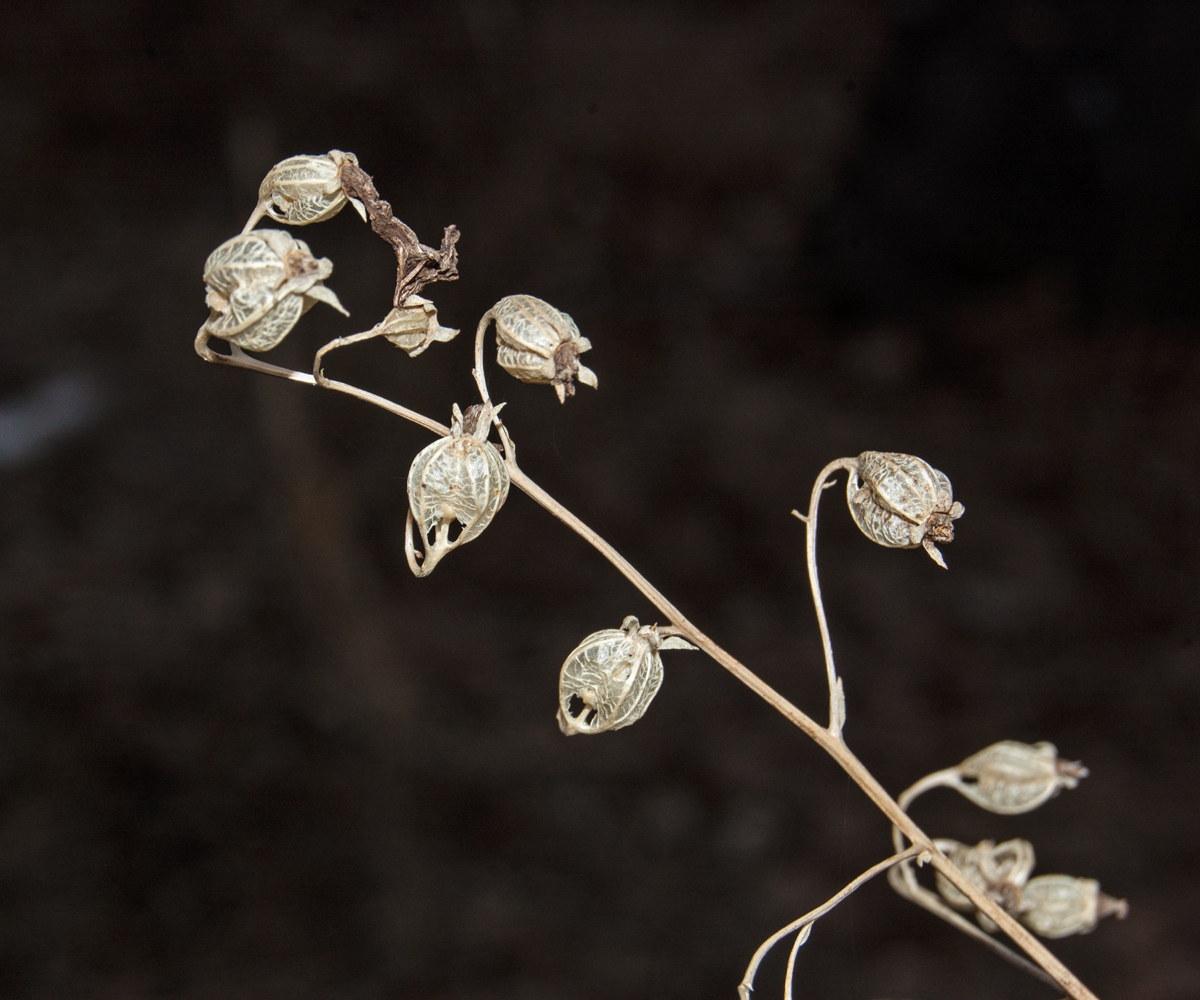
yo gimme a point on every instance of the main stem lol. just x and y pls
(829, 740)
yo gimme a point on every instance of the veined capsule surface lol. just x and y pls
(1055, 906)
(461, 478)
(540, 344)
(609, 679)
(903, 502)
(259, 284)
(1011, 777)
(1000, 870)
(304, 189)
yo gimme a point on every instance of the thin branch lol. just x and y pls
(837, 698)
(237, 358)
(747, 984)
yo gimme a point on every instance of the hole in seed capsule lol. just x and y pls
(579, 709)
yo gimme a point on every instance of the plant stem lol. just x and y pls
(826, 738)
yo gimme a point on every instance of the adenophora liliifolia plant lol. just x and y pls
(262, 281)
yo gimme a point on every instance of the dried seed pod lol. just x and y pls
(1000, 870)
(902, 502)
(459, 478)
(1056, 906)
(302, 190)
(259, 284)
(611, 677)
(537, 343)
(1011, 777)
(414, 326)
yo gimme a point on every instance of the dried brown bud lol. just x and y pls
(460, 478)
(1056, 906)
(414, 326)
(304, 189)
(259, 284)
(902, 502)
(611, 677)
(1011, 777)
(537, 343)
(1000, 870)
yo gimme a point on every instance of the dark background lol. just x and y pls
(244, 754)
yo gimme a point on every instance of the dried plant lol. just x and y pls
(262, 281)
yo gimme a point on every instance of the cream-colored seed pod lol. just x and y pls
(902, 502)
(1000, 870)
(259, 284)
(1010, 777)
(414, 326)
(304, 189)
(1056, 906)
(460, 478)
(539, 344)
(609, 679)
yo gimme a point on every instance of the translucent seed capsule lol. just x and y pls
(1000, 870)
(259, 284)
(902, 502)
(414, 326)
(304, 189)
(537, 343)
(1011, 777)
(460, 478)
(609, 679)
(1056, 906)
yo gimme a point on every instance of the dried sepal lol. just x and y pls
(304, 189)
(540, 344)
(460, 478)
(259, 284)
(1010, 777)
(609, 679)
(1055, 906)
(414, 325)
(902, 502)
(999, 870)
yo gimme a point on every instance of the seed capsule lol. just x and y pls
(414, 326)
(259, 284)
(611, 677)
(1056, 906)
(1000, 870)
(459, 478)
(902, 502)
(1011, 777)
(537, 343)
(302, 190)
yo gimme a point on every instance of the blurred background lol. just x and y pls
(245, 754)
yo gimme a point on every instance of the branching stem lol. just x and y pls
(828, 738)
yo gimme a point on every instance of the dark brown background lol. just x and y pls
(244, 754)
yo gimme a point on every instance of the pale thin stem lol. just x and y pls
(236, 358)
(480, 378)
(747, 984)
(837, 697)
(318, 378)
(823, 737)
(801, 939)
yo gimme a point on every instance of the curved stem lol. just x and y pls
(837, 697)
(318, 378)
(801, 938)
(747, 984)
(828, 740)
(237, 358)
(480, 378)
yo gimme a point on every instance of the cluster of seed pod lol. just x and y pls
(903, 502)
(609, 679)
(1052, 906)
(460, 478)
